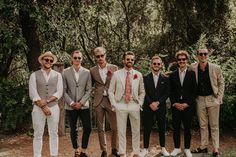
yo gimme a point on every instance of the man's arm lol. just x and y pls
(111, 90)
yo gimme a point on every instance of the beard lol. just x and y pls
(129, 65)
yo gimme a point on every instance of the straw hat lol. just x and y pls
(48, 53)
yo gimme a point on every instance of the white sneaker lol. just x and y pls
(143, 152)
(164, 152)
(175, 152)
(188, 153)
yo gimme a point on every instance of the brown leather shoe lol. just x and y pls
(83, 155)
(136, 155)
(199, 150)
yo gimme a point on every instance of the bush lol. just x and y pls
(15, 106)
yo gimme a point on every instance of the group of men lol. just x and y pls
(119, 94)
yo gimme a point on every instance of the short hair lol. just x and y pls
(156, 57)
(202, 49)
(182, 53)
(75, 51)
(128, 53)
(97, 49)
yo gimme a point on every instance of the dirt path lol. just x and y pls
(21, 145)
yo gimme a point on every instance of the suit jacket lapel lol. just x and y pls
(177, 77)
(159, 80)
(98, 75)
(122, 77)
(73, 73)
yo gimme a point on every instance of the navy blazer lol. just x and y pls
(185, 93)
(160, 93)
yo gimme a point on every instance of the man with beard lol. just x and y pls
(210, 91)
(77, 89)
(182, 97)
(126, 94)
(101, 76)
(45, 88)
(157, 91)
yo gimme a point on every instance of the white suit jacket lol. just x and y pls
(116, 89)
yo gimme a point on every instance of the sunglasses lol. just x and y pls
(156, 63)
(77, 58)
(182, 59)
(100, 56)
(128, 59)
(48, 60)
(203, 54)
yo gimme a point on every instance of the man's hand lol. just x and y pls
(154, 106)
(179, 106)
(185, 105)
(46, 110)
(41, 103)
(76, 105)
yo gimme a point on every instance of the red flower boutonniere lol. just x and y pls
(135, 76)
(109, 73)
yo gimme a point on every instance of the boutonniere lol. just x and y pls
(109, 73)
(135, 76)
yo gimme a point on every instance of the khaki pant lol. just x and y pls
(208, 113)
(123, 111)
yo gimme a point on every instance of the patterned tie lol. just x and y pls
(127, 88)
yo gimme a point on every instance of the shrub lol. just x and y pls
(15, 106)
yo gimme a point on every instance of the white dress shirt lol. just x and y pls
(33, 93)
(77, 73)
(182, 75)
(103, 73)
(155, 78)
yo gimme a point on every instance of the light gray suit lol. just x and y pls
(208, 107)
(77, 91)
(116, 94)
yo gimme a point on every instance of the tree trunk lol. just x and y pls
(29, 31)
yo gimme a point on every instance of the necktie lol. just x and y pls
(127, 88)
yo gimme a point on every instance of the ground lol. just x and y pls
(20, 145)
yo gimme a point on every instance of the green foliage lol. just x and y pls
(15, 106)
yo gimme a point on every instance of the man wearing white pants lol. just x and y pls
(45, 88)
(126, 93)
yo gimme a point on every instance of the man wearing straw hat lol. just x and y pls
(45, 88)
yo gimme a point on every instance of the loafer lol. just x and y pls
(216, 154)
(104, 154)
(115, 152)
(199, 150)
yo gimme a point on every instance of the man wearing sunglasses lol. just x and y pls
(182, 96)
(101, 76)
(126, 93)
(210, 91)
(45, 88)
(157, 91)
(77, 88)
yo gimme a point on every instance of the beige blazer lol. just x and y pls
(216, 78)
(116, 90)
(99, 85)
(77, 91)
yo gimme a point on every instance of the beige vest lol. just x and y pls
(46, 89)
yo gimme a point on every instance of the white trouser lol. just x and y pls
(122, 112)
(39, 119)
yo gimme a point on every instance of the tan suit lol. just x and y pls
(208, 107)
(103, 106)
(132, 109)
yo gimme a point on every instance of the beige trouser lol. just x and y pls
(123, 111)
(208, 113)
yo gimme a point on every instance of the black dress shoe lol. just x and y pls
(216, 154)
(199, 150)
(83, 155)
(104, 154)
(115, 152)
